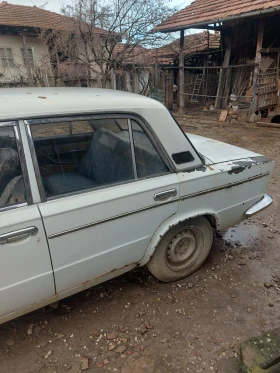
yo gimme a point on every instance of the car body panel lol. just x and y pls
(217, 151)
(93, 233)
(26, 275)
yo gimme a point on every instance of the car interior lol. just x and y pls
(92, 154)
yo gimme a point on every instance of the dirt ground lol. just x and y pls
(135, 324)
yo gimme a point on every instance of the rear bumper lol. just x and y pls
(263, 204)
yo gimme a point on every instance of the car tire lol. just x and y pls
(182, 250)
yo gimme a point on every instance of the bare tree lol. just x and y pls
(107, 36)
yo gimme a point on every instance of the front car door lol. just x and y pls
(105, 190)
(26, 276)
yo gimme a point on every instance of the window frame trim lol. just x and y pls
(8, 58)
(80, 117)
(22, 160)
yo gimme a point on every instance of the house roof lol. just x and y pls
(204, 12)
(128, 54)
(193, 44)
(34, 17)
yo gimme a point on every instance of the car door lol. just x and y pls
(100, 216)
(26, 276)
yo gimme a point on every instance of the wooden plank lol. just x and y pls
(223, 116)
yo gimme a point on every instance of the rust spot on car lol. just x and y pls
(210, 168)
(42, 97)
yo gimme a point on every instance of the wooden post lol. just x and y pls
(222, 77)
(258, 60)
(181, 74)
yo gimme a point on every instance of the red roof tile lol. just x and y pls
(193, 44)
(203, 12)
(129, 54)
(34, 17)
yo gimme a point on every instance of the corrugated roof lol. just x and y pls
(203, 12)
(34, 17)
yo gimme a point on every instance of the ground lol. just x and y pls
(136, 324)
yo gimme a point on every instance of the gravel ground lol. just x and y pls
(136, 324)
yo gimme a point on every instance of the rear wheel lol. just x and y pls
(182, 250)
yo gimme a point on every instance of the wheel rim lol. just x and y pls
(184, 249)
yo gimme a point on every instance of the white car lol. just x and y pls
(96, 182)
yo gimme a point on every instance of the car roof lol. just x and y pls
(17, 103)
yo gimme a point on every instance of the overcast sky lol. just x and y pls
(55, 5)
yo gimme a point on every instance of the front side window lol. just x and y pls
(148, 161)
(27, 56)
(83, 154)
(12, 189)
(6, 56)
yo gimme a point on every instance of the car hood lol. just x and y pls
(217, 152)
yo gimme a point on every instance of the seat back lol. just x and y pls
(108, 159)
(9, 167)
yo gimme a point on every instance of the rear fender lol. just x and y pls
(172, 222)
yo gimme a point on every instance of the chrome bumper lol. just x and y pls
(263, 204)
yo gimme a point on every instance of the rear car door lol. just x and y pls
(100, 208)
(26, 275)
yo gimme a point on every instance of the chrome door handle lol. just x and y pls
(163, 196)
(18, 235)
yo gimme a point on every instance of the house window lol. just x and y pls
(27, 56)
(6, 57)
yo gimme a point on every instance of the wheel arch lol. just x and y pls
(172, 222)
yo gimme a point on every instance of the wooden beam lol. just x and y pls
(181, 74)
(258, 60)
(223, 74)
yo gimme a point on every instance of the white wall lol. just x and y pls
(40, 55)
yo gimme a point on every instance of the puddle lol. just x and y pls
(243, 234)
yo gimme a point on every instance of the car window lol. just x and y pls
(148, 161)
(95, 153)
(12, 189)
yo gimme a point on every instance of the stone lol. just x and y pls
(111, 347)
(190, 285)
(267, 285)
(48, 354)
(84, 364)
(30, 329)
(10, 342)
(271, 304)
(121, 349)
(106, 362)
(112, 335)
(249, 310)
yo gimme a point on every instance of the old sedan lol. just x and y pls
(96, 182)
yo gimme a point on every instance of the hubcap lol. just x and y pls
(183, 250)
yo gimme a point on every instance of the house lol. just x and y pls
(26, 59)
(250, 50)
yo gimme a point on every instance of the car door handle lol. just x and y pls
(18, 235)
(163, 196)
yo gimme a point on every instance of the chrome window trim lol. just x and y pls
(115, 115)
(13, 207)
(23, 166)
(12, 123)
(35, 163)
(132, 148)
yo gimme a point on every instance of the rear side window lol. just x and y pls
(148, 161)
(12, 188)
(89, 154)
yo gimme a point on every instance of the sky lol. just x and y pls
(56, 5)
